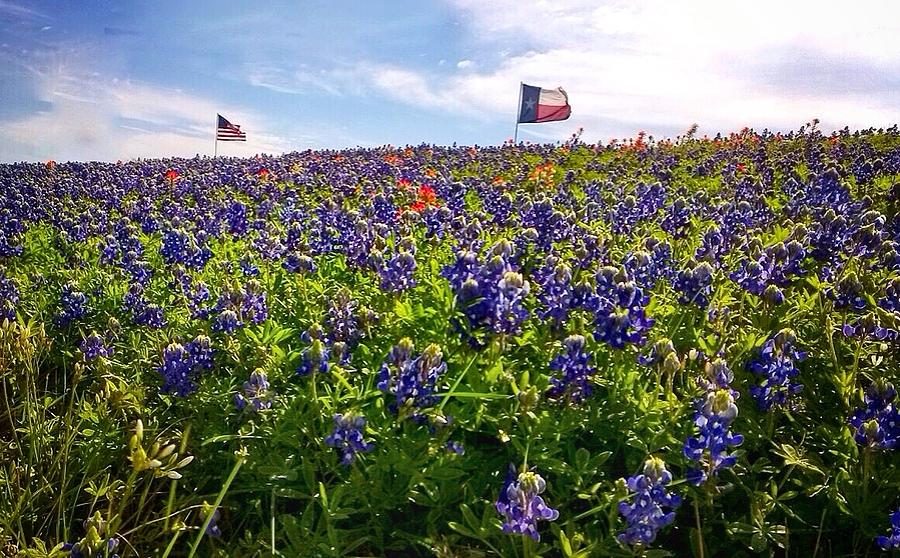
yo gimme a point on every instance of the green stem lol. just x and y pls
(170, 504)
(171, 544)
(234, 471)
(272, 515)
(702, 549)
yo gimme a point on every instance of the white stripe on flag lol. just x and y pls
(553, 98)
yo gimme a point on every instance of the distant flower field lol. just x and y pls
(644, 348)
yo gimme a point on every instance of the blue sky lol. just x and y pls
(105, 80)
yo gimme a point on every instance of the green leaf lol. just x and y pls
(461, 530)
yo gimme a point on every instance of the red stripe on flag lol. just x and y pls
(549, 113)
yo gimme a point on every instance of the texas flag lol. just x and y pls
(543, 105)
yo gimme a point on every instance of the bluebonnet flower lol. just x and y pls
(877, 424)
(197, 295)
(212, 528)
(891, 299)
(341, 321)
(646, 267)
(555, 294)
(256, 393)
(677, 218)
(227, 321)
(181, 247)
(659, 352)
(236, 216)
(619, 318)
(651, 507)
(490, 296)
(663, 356)
(574, 385)
(751, 276)
(708, 450)
(887, 542)
(314, 358)
(712, 247)
(551, 224)
(94, 346)
(74, 306)
(509, 310)
(235, 308)
(397, 273)
(455, 447)
(765, 271)
(253, 304)
(150, 315)
(464, 268)
(411, 380)
(181, 365)
(694, 284)
(96, 543)
(867, 327)
(584, 296)
(248, 268)
(847, 293)
(9, 297)
(521, 505)
(142, 312)
(296, 263)
(777, 364)
(347, 437)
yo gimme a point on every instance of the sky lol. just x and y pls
(109, 79)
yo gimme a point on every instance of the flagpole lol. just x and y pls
(216, 135)
(518, 113)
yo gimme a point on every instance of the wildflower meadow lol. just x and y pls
(683, 347)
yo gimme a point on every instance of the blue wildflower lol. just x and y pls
(347, 437)
(96, 543)
(74, 306)
(341, 321)
(708, 450)
(397, 274)
(227, 321)
(868, 328)
(9, 297)
(181, 365)
(212, 528)
(891, 299)
(94, 346)
(296, 263)
(555, 296)
(646, 513)
(877, 424)
(248, 268)
(411, 380)
(509, 310)
(887, 542)
(619, 318)
(777, 364)
(847, 293)
(694, 284)
(574, 385)
(253, 303)
(314, 358)
(255, 392)
(455, 447)
(521, 505)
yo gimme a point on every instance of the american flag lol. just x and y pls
(226, 131)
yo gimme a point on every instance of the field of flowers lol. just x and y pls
(645, 348)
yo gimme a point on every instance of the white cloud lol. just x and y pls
(94, 118)
(463, 64)
(659, 66)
